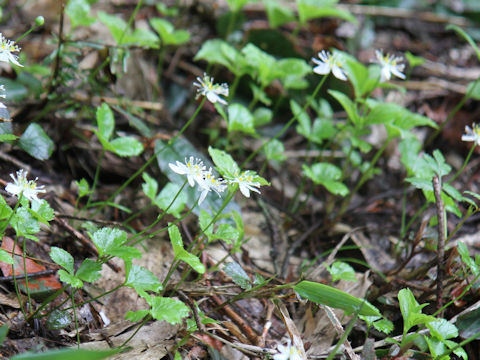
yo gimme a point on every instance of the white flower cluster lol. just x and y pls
(197, 173)
(287, 352)
(472, 134)
(212, 91)
(7, 50)
(329, 63)
(390, 65)
(21, 185)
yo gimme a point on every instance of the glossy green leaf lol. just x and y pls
(6, 258)
(83, 187)
(348, 106)
(384, 325)
(240, 119)
(105, 122)
(136, 316)
(62, 258)
(24, 223)
(107, 239)
(167, 32)
(238, 275)
(70, 354)
(89, 270)
(442, 329)
(142, 279)
(36, 142)
(126, 146)
(262, 116)
(340, 270)
(78, 11)
(326, 174)
(314, 9)
(327, 295)
(224, 163)
(181, 253)
(70, 279)
(278, 13)
(171, 310)
(411, 310)
(42, 211)
(274, 150)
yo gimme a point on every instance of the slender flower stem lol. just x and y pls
(467, 159)
(95, 179)
(362, 180)
(288, 124)
(452, 114)
(159, 217)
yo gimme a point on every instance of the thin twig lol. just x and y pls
(437, 190)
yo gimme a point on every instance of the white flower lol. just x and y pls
(390, 65)
(329, 63)
(3, 96)
(21, 185)
(193, 168)
(210, 182)
(287, 352)
(7, 47)
(472, 134)
(210, 90)
(246, 183)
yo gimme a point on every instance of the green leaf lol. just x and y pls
(327, 175)
(126, 146)
(413, 60)
(58, 319)
(340, 270)
(411, 310)
(220, 52)
(327, 295)
(264, 65)
(150, 187)
(278, 13)
(304, 125)
(115, 24)
(24, 223)
(3, 333)
(262, 116)
(260, 95)
(70, 279)
(237, 5)
(240, 119)
(171, 310)
(463, 251)
(7, 137)
(5, 210)
(442, 329)
(78, 11)
(142, 279)
(167, 32)
(36, 142)
(473, 90)
(227, 233)
(323, 129)
(105, 122)
(126, 253)
(83, 187)
(62, 258)
(313, 9)
(135, 316)
(238, 275)
(89, 270)
(181, 253)
(70, 354)
(274, 150)
(42, 210)
(107, 239)
(348, 106)
(224, 163)
(6, 258)
(384, 325)
(166, 196)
